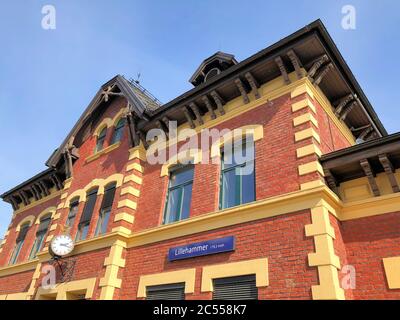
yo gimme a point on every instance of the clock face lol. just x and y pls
(62, 245)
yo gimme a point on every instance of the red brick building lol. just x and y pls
(317, 218)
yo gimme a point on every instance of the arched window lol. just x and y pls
(105, 210)
(100, 140)
(40, 234)
(73, 210)
(87, 213)
(19, 243)
(118, 131)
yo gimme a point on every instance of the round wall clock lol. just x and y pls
(61, 245)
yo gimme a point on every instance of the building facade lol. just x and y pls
(318, 217)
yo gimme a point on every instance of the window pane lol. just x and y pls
(100, 139)
(181, 176)
(16, 252)
(102, 224)
(173, 205)
(186, 202)
(229, 189)
(72, 214)
(82, 232)
(119, 130)
(248, 184)
(37, 245)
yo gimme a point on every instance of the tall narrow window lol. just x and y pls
(84, 223)
(100, 140)
(73, 210)
(118, 131)
(179, 194)
(40, 234)
(237, 174)
(105, 210)
(19, 243)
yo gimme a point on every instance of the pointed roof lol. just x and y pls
(141, 102)
(222, 59)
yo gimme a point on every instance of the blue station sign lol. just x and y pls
(202, 248)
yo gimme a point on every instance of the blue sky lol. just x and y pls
(48, 77)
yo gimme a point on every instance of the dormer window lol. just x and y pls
(211, 74)
(212, 66)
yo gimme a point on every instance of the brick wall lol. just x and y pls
(280, 239)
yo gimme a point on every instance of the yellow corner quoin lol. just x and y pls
(301, 89)
(324, 257)
(308, 150)
(113, 263)
(134, 178)
(188, 276)
(124, 217)
(130, 190)
(259, 267)
(134, 166)
(138, 152)
(306, 103)
(127, 203)
(66, 290)
(310, 167)
(307, 133)
(392, 271)
(304, 118)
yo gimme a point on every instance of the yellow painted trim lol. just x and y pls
(96, 183)
(29, 219)
(311, 185)
(122, 230)
(109, 122)
(123, 216)
(182, 157)
(130, 190)
(256, 130)
(127, 203)
(134, 178)
(53, 227)
(370, 207)
(48, 239)
(57, 216)
(36, 203)
(392, 271)
(310, 167)
(113, 262)
(35, 276)
(103, 151)
(138, 152)
(134, 166)
(307, 133)
(303, 104)
(67, 183)
(188, 276)
(301, 89)
(308, 150)
(61, 290)
(259, 267)
(64, 195)
(51, 210)
(304, 118)
(17, 268)
(324, 257)
(16, 296)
